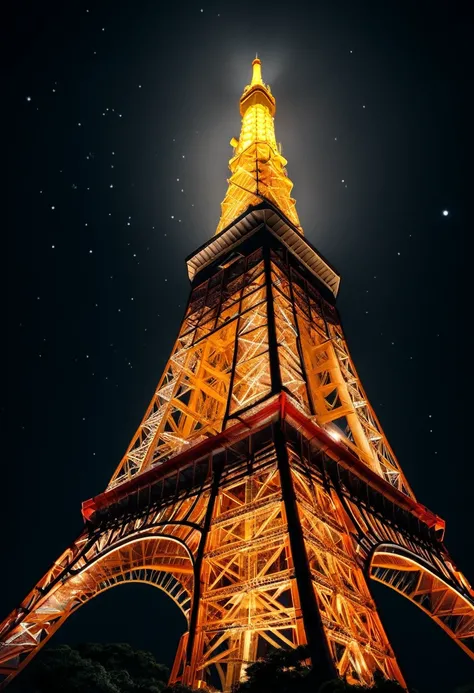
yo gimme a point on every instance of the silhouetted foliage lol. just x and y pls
(118, 668)
(381, 685)
(180, 688)
(93, 668)
(288, 671)
(282, 671)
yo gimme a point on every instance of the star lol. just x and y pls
(28, 98)
(445, 212)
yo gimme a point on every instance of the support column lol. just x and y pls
(193, 643)
(273, 355)
(323, 666)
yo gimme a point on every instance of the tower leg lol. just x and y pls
(318, 647)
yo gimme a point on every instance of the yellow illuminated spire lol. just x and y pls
(256, 72)
(257, 167)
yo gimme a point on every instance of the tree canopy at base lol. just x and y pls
(93, 668)
(119, 668)
(288, 671)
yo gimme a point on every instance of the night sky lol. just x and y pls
(116, 159)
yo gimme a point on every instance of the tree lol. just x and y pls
(281, 671)
(118, 668)
(381, 685)
(288, 671)
(93, 668)
(180, 688)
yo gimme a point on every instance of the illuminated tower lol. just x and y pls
(259, 491)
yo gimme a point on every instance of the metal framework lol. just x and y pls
(259, 491)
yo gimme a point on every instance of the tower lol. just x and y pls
(259, 491)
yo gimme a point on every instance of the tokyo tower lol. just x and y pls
(259, 491)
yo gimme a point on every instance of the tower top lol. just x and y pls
(257, 165)
(257, 91)
(257, 71)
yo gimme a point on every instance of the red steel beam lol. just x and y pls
(287, 410)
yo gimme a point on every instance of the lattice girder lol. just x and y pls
(410, 576)
(222, 520)
(156, 547)
(259, 491)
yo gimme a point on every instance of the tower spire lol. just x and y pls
(256, 71)
(257, 167)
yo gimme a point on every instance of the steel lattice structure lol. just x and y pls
(259, 491)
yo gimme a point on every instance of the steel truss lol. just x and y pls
(264, 524)
(219, 535)
(259, 491)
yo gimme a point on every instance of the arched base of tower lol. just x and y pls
(264, 537)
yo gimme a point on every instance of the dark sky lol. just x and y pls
(116, 157)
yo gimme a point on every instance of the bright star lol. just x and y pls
(445, 212)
